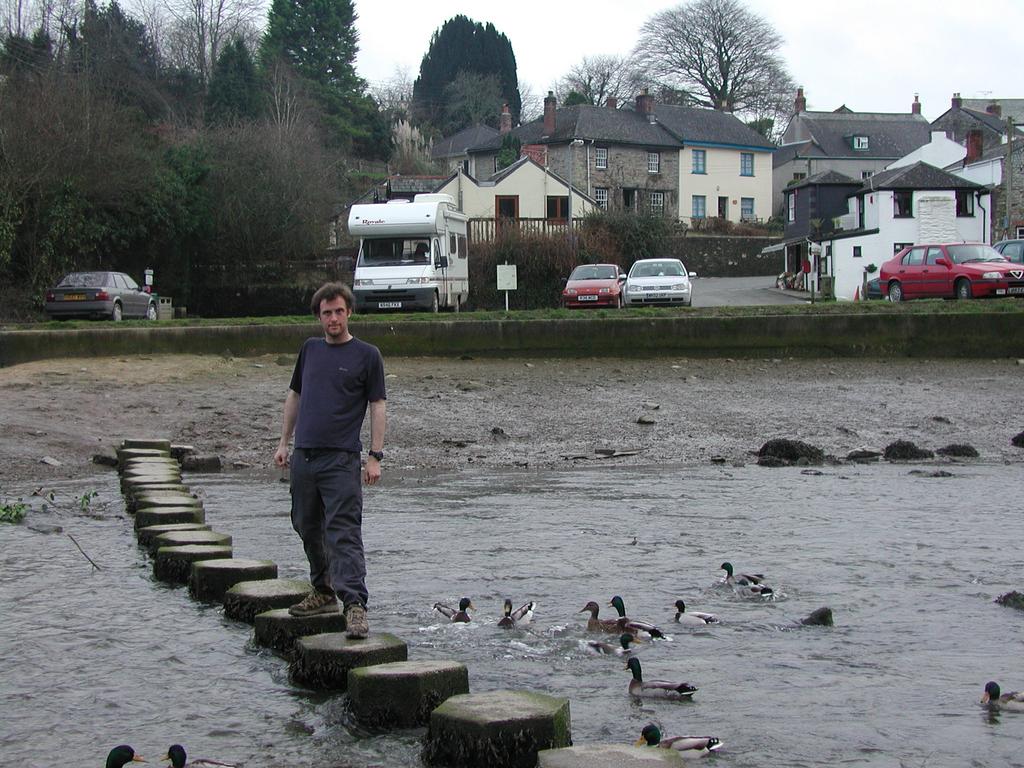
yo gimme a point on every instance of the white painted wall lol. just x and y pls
(940, 152)
(529, 182)
(722, 179)
(988, 173)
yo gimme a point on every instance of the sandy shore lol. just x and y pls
(448, 414)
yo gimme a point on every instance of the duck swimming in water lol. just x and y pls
(121, 755)
(693, 618)
(689, 746)
(459, 615)
(746, 583)
(598, 648)
(655, 689)
(520, 617)
(643, 630)
(176, 754)
(594, 624)
(996, 699)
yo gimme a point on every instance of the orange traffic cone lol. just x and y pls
(856, 293)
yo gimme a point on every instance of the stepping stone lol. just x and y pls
(170, 500)
(210, 579)
(499, 729)
(608, 756)
(248, 598)
(279, 630)
(131, 483)
(131, 496)
(174, 564)
(323, 661)
(153, 443)
(150, 471)
(180, 451)
(182, 538)
(147, 534)
(402, 694)
(166, 515)
(124, 454)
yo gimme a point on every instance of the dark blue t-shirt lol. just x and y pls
(335, 381)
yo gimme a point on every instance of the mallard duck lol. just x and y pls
(121, 755)
(655, 689)
(460, 615)
(693, 618)
(642, 629)
(690, 746)
(746, 583)
(520, 617)
(608, 649)
(595, 624)
(996, 699)
(176, 754)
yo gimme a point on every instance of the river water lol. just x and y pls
(909, 565)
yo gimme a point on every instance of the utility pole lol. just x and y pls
(1008, 172)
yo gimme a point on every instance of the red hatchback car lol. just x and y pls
(950, 270)
(594, 285)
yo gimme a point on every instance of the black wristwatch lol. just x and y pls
(378, 455)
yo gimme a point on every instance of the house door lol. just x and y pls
(723, 207)
(506, 210)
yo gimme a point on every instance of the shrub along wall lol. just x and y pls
(720, 256)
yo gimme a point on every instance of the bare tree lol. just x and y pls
(394, 95)
(721, 54)
(532, 104)
(598, 78)
(201, 28)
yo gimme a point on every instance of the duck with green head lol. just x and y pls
(596, 647)
(176, 754)
(655, 689)
(689, 746)
(746, 583)
(520, 617)
(994, 698)
(121, 755)
(693, 618)
(643, 630)
(457, 615)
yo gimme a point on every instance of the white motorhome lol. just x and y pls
(411, 255)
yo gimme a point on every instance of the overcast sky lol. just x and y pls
(872, 55)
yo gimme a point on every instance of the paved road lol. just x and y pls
(741, 291)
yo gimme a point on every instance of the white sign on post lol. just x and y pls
(506, 280)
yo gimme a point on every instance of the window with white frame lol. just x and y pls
(699, 208)
(601, 157)
(964, 202)
(746, 163)
(601, 196)
(860, 143)
(791, 206)
(700, 161)
(656, 203)
(866, 174)
(747, 208)
(654, 162)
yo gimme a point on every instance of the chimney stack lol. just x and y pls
(915, 108)
(505, 121)
(975, 145)
(956, 102)
(800, 103)
(550, 102)
(995, 108)
(611, 102)
(645, 105)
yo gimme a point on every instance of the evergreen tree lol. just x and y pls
(234, 85)
(463, 46)
(319, 41)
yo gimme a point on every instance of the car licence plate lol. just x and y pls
(588, 298)
(74, 297)
(1015, 289)
(390, 305)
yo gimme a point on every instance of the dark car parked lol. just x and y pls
(1011, 250)
(111, 295)
(950, 270)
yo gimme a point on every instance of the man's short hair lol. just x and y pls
(329, 291)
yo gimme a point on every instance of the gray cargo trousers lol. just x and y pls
(327, 513)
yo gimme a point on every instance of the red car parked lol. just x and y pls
(950, 270)
(594, 285)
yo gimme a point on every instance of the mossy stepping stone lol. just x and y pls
(170, 500)
(154, 443)
(608, 756)
(210, 579)
(166, 515)
(279, 630)
(131, 495)
(124, 454)
(174, 564)
(247, 598)
(500, 729)
(402, 694)
(323, 661)
(171, 473)
(146, 535)
(181, 538)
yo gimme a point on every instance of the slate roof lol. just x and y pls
(993, 153)
(415, 184)
(1010, 107)
(693, 125)
(826, 178)
(890, 136)
(615, 126)
(920, 175)
(461, 142)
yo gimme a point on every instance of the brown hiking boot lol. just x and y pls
(357, 627)
(314, 603)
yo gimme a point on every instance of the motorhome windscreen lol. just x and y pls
(394, 252)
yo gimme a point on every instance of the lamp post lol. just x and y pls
(572, 240)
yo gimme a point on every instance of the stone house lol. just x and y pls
(963, 123)
(989, 169)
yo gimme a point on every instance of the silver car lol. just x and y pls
(112, 295)
(659, 281)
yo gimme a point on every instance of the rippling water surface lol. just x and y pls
(909, 565)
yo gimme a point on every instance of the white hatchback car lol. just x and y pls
(659, 281)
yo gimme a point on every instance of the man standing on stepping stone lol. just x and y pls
(335, 378)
